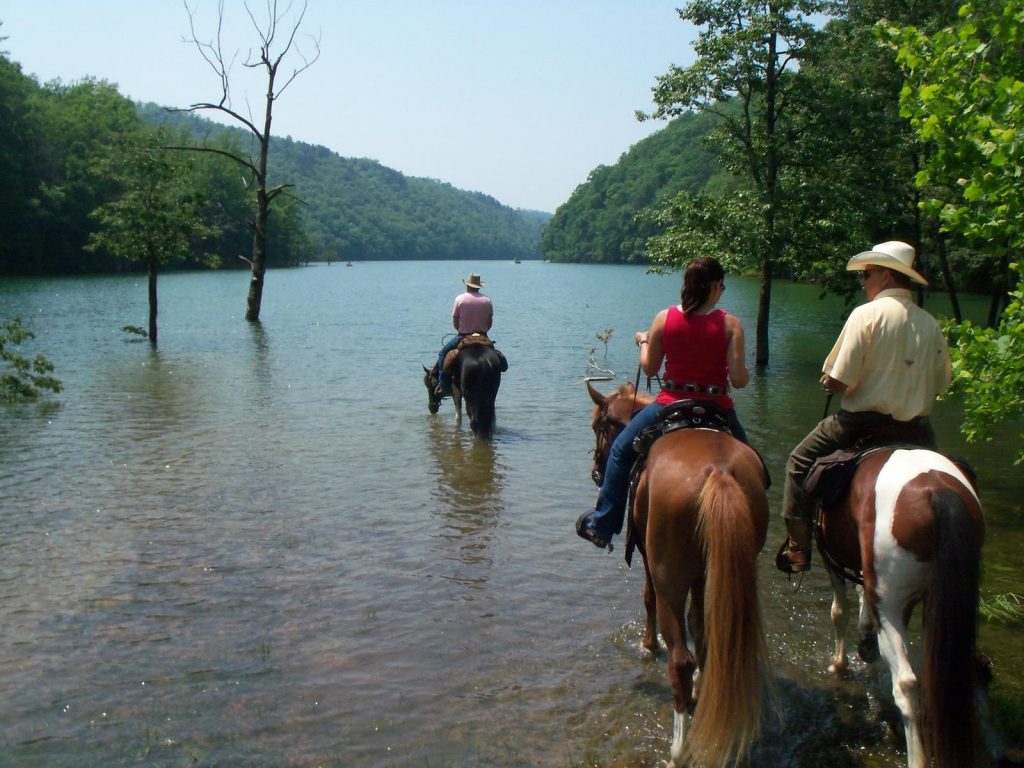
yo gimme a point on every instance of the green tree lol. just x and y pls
(965, 98)
(748, 52)
(22, 378)
(82, 123)
(19, 135)
(988, 369)
(157, 216)
(269, 57)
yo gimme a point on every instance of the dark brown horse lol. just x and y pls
(699, 519)
(912, 525)
(475, 379)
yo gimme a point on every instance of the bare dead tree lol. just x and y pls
(269, 56)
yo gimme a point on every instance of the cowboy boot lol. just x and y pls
(795, 554)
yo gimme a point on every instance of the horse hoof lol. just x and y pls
(867, 648)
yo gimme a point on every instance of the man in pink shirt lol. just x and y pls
(471, 313)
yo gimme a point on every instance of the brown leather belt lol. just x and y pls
(695, 389)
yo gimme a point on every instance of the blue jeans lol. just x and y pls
(443, 378)
(611, 501)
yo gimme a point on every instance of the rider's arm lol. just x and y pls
(736, 357)
(652, 353)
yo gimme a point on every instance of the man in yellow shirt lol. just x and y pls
(889, 364)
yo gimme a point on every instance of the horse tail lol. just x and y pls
(727, 720)
(950, 634)
(484, 418)
(480, 380)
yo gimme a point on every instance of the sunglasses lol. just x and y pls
(865, 273)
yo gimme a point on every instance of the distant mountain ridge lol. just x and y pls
(358, 209)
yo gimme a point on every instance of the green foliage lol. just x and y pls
(692, 226)
(988, 369)
(156, 216)
(604, 337)
(599, 224)
(356, 208)
(1006, 609)
(22, 378)
(963, 95)
(54, 138)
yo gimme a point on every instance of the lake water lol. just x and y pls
(256, 547)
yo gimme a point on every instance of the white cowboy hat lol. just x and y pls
(473, 281)
(894, 255)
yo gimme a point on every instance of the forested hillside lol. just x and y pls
(598, 223)
(64, 151)
(356, 208)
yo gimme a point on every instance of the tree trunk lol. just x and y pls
(763, 306)
(259, 256)
(153, 267)
(259, 236)
(947, 278)
(999, 289)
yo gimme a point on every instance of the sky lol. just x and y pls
(519, 99)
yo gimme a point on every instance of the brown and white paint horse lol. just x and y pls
(699, 519)
(911, 523)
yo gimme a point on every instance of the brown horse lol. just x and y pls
(699, 519)
(911, 524)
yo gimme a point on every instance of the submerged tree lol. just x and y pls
(747, 54)
(158, 215)
(269, 56)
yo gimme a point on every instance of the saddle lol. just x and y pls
(830, 477)
(682, 414)
(469, 340)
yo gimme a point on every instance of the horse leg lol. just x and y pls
(695, 636)
(650, 641)
(457, 399)
(892, 640)
(840, 621)
(867, 629)
(681, 667)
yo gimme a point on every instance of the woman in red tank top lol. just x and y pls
(703, 351)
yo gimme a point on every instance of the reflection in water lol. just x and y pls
(262, 368)
(468, 497)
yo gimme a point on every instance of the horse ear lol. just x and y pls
(596, 396)
(425, 369)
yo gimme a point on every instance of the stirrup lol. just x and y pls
(791, 560)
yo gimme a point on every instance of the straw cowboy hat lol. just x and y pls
(893, 255)
(473, 281)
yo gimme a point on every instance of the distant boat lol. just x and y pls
(349, 264)
(516, 261)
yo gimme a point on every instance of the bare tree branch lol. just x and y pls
(245, 163)
(269, 60)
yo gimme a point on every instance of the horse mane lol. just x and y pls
(628, 390)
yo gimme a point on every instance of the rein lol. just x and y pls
(636, 388)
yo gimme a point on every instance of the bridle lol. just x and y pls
(606, 430)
